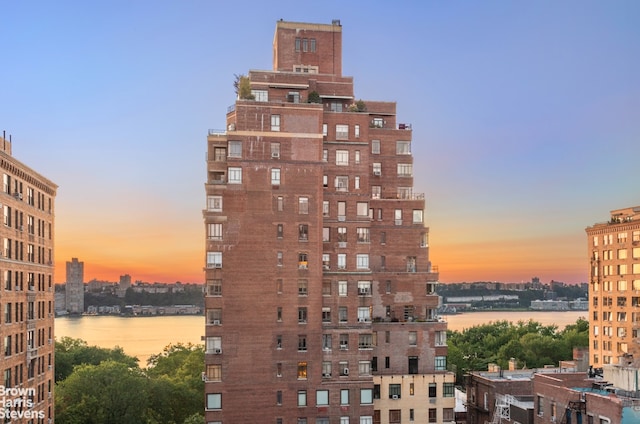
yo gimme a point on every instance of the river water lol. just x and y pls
(144, 336)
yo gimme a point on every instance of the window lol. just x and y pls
(280, 203)
(275, 176)
(403, 147)
(362, 209)
(342, 157)
(356, 183)
(326, 287)
(297, 44)
(214, 231)
(275, 122)
(279, 258)
(447, 414)
(302, 315)
(302, 287)
(342, 261)
(363, 235)
(214, 316)
(405, 170)
(303, 205)
(342, 211)
(397, 215)
(413, 338)
(362, 261)
(417, 216)
(377, 168)
(342, 132)
(342, 288)
(365, 341)
(303, 263)
(441, 363)
(376, 191)
(303, 232)
(214, 372)
(395, 391)
(432, 390)
(302, 343)
(342, 183)
(326, 369)
(260, 95)
(325, 208)
(214, 400)
(235, 175)
(322, 397)
(342, 234)
(302, 370)
(326, 338)
(344, 397)
(214, 287)
(326, 261)
(364, 314)
(326, 318)
(375, 147)
(302, 398)
(214, 203)
(433, 415)
(344, 341)
(280, 231)
(377, 123)
(342, 314)
(214, 259)
(235, 149)
(364, 288)
(325, 131)
(366, 396)
(293, 97)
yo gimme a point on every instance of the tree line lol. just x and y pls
(530, 344)
(105, 386)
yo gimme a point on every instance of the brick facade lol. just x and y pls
(318, 272)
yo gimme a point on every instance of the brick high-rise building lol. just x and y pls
(26, 266)
(614, 299)
(320, 298)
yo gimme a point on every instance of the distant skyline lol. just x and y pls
(525, 116)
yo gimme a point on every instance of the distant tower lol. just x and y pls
(74, 291)
(125, 283)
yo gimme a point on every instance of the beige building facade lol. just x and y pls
(27, 297)
(614, 291)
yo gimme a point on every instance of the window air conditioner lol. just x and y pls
(345, 371)
(216, 322)
(343, 347)
(204, 376)
(217, 351)
(217, 265)
(362, 319)
(275, 155)
(394, 397)
(377, 173)
(326, 374)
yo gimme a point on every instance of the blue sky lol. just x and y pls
(526, 120)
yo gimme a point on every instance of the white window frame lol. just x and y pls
(342, 157)
(275, 176)
(362, 261)
(275, 122)
(235, 175)
(214, 203)
(342, 132)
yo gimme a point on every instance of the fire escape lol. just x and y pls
(501, 410)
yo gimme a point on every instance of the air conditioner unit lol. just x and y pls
(362, 319)
(343, 347)
(275, 155)
(204, 376)
(394, 397)
(345, 371)
(217, 351)
(216, 322)
(326, 374)
(377, 173)
(363, 292)
(217, 265)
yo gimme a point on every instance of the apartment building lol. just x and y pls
(26, 266)
(74, 287)
(614, 307)
(320, 296)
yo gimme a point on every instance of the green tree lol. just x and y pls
(108, 393)
(71, 352)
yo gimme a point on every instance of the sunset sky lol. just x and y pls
(525, 115)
